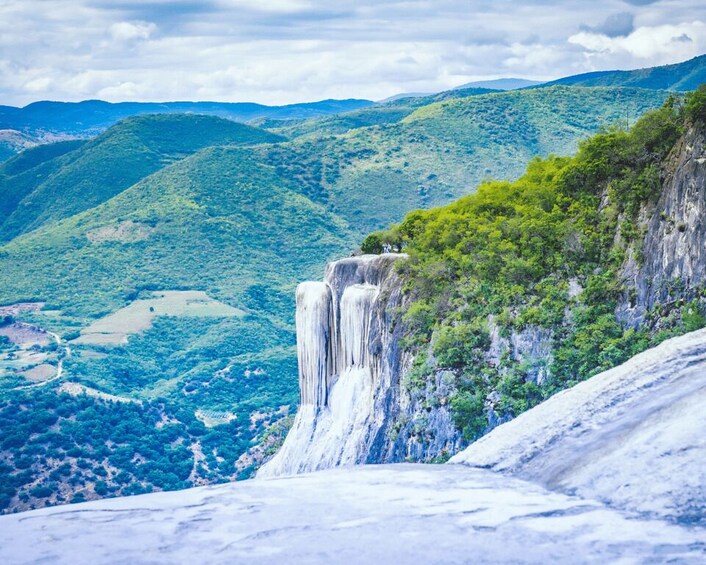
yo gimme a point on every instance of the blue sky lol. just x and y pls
(284, 51)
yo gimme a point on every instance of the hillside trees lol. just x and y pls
(506, 256)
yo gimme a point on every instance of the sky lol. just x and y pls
(287, 51)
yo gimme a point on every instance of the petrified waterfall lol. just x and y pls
(348, 359)
(314, 326)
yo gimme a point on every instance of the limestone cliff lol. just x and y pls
(672, 255)
(632, 437)
(363, 402)
(349, 366)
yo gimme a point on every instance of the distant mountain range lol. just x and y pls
(497, 84)
(679, 77)
(92, 116)
(502, 84)
(44, 122)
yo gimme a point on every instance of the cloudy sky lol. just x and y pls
(283, 51)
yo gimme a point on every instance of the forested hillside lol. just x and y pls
(679, 77)
(44, 122)
(527, 287)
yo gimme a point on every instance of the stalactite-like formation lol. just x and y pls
(342, 391)
(356, 305)
(314, 341)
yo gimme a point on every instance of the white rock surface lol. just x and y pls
(369, 514)
(344, 380)
(633, 436)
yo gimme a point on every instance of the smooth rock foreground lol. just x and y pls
(633, 437)
(369, 514)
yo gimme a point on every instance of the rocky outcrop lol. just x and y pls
(672, 256)
(350, 361)
(356, 405)
(367, 514)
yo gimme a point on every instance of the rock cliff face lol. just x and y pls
(633, 436)
(349, 364)
(673, 252)
(355, 404)
(358, 401)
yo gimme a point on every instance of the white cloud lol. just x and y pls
(40, 84)
(129, 31)
(283, 51)
(653, 43)
(285, 6)
(123, 91)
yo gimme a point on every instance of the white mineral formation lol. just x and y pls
(401, 514)
(342, 378)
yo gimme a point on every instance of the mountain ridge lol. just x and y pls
(682, 76)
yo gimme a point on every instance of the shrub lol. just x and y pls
(692, 318)
(372, 244)
(695, 105)
(461, 345)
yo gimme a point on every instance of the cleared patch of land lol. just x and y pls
(124, 232)
(137, 316)
(25, 349)
(76, 389)
(211, 418)
(25, 335)
(40, 373)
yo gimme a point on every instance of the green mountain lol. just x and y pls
(46, 122)
(111, 163)
(502, 83)
(442, 150)
(93, 116)
(389, 112)
(680, 77)
(166, 251)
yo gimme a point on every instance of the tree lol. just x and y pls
(695, 106)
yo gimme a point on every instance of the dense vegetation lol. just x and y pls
(539, 257)
(438, 152)
(60, 448)
(107, 165)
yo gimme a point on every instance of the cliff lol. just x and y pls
(631, 437)
(507, 297)
(673, 251)
(356, 406)
(350, 363)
